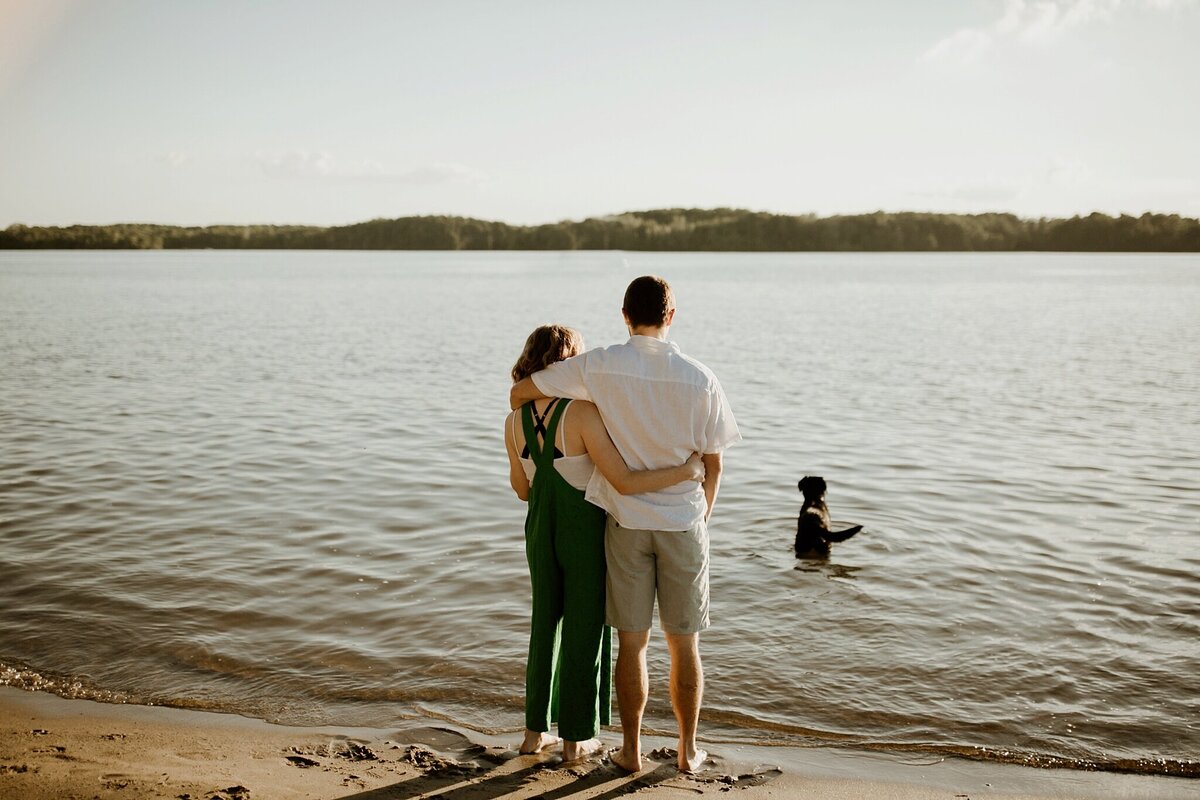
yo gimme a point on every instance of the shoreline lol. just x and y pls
(52, 747)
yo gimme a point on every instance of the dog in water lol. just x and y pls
(812, 526)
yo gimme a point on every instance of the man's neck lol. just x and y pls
(653, 333)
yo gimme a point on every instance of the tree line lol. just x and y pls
(673, 229)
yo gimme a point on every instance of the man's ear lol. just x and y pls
(670, 316)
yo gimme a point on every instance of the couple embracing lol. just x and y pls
(618, 452)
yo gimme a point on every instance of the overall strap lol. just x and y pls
(548, 446)
(543, 457)
(533, 423)
(539, 420)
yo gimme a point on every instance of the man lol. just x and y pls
(659, 406)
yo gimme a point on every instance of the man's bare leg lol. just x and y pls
(687, 690)
(633, 687)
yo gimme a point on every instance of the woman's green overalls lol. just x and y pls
(564, 544)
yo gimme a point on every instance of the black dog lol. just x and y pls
(812, 526)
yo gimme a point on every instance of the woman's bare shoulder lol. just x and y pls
(582, 423)
(585, 409)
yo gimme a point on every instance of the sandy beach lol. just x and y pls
(56, 748)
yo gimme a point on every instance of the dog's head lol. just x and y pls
(812, 487)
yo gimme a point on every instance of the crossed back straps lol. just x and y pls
(544, 454)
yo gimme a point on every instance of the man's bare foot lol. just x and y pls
(627, 762)
(692, 763)
(536, 742)
(576, 750)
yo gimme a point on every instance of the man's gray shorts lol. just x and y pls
(671, 564)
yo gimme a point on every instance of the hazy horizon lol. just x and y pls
(535, 223)
(314, 114)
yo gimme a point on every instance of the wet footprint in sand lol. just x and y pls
(758, 777)
(671, 755)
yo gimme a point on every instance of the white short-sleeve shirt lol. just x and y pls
(659, 406)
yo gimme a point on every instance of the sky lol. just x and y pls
(201, 112)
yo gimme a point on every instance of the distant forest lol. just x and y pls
(676, 229)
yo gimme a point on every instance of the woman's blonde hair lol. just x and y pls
(548, 344)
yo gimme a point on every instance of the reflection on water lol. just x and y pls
(274, 483)
(824, 567)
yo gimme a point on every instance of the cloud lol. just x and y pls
(1033, 22)
(1059, 186)
(965, 46)
(1000, 192)
(175, 158)
(1046, 20)
(306, 164)
(440, 173)
(1067, 172)
(991, 194)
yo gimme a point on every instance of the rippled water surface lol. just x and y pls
(274, 483)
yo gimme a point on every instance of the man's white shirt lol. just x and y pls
(659, 406)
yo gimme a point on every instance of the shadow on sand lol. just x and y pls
(501, 781)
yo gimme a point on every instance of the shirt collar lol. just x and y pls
(649, 344)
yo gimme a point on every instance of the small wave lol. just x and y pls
(777, 734)
(1135, 766)
(76, 688)
(71, 688)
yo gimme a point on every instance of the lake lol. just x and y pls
(274, 483)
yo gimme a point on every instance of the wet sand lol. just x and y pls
(56, 748)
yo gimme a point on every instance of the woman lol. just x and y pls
(553, 446)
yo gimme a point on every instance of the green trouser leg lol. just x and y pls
(570, 647)
(568, 676)
(541, 669)
(585, 678)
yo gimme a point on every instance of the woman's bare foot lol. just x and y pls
(693, 762)
(627, 762)
(536, 742)
(577, 750)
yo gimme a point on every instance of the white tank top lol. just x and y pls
(575, 470)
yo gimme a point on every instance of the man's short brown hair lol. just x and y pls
(648, 300)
